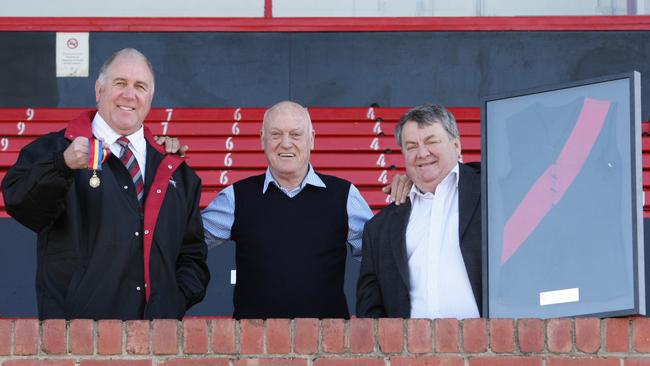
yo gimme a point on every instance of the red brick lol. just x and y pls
(348, 362)
(427, 361)
(115, 363)
(391, 335)
(505, 361)
(137, 337)
(195, 336)
(446, 335)
(306, 336)
(502, 335)
(642, 334)
(362, 335)
(531, 335)
(196, 362)
(5, 337)
(559, 335)
(272, 362)
(587, 334)
(53, 337)
(617, 335)
(474, 335)
(109, 337)
(39, 363)
(581, 361)
(333, 335)
(26, 337)
(252, 336)
(418, 332)
(164, 340)
(223, 336)
(278, 336)
(637, 362)
(80, 339)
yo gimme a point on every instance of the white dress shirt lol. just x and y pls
(137, 142)
(439, 285)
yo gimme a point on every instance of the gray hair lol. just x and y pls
(425, 115)
(287, 104)
(125, 52)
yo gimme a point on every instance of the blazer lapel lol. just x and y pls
(397, 239)
(469, 197)
(153, 161)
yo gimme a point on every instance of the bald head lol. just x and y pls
(287, 140)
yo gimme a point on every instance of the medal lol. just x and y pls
(97, 154)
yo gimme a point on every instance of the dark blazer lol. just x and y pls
(383, 286)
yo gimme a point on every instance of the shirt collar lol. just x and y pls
(311, 178)
(453, 176)
(103, 131)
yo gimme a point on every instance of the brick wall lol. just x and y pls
(328, 342)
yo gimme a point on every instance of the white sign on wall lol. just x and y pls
(72, 54)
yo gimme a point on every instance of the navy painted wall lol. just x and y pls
(391, 69)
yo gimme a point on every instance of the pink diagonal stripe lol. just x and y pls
(549, 188)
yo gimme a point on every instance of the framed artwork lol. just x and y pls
(562, 200)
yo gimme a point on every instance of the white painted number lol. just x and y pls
(4, 142)
(235, 128)
(371, 113)
(169, 111)
(223, 179)
(229, 143)
(375, 143)
(21, 127)
(30, 114)
(237, 114)
(383, 177)
(387, 198)
(227, 160)
(377, 128)
(381, 161)
(164, 126)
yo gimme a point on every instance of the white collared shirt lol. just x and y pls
(137, 142)
(439, 286)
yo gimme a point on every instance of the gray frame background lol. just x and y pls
(592, 237)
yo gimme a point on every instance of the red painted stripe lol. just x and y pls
(549, 188)
(336, 24)
(268, 8)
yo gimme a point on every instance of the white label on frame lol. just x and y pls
(233, 276)
(72, 54)
(559, 296)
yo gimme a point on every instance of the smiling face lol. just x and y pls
(124, 93)
(287, 140)
(429, 154)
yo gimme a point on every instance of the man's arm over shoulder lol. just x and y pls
(358, 214)
(219, 217)
(192, 271)
(369, 297)
(36, 186)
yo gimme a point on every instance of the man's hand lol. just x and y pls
(399, 188)
(172, 145)
(76, 155)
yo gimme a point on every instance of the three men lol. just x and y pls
(123, 242)
(422, 259)
(290, 226)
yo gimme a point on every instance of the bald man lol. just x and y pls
(290, 225)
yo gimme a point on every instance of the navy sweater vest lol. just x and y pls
(290, 252)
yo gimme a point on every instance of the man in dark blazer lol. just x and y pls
(423, 258)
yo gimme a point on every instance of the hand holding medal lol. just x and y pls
(97, 154)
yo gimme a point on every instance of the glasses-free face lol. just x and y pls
(429, 154)
(124, 97)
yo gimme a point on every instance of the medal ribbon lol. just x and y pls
(97, 154)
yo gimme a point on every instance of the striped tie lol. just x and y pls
(131, 164)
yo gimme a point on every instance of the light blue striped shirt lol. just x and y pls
(219, 216)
